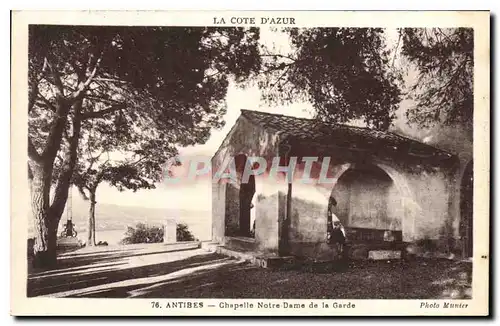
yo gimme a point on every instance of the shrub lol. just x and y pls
(183, 233)
(143, 233)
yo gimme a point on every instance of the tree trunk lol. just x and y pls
(45, 245)
(70, 158)
(91, 236)
(47, 215)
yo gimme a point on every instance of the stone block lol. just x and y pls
(274, 262)
(358, 253)
(384, 254)
(170, 231)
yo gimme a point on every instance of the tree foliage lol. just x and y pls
(444, 59)
(146, 89)
(344, 72)
(142, 88)
(183, 233)
(143, 233)
(125, 164)
(170, 80)
(135, 161)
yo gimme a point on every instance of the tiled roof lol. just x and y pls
(309, 130)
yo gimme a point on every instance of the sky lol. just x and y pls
(198, 196)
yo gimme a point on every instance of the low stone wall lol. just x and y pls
(313, 250)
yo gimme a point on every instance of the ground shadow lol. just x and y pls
(370, 280)
(105, 270)
(75, 260)
(209, 275)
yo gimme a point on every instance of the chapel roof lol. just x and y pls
(316, 131)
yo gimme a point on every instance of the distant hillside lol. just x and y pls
(117, 217)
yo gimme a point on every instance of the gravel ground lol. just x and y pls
(157, 273)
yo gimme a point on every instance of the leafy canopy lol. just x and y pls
(143, 90)
(444, 59)
(344, 72)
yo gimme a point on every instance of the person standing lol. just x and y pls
(335, 231)
(338, 237)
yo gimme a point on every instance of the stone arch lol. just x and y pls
(398, 179)
(408, 208)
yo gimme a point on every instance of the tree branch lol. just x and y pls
(81, 190)
(102, 100)
(98, 179)
(32, 97)
(278, 67)
(91, 158)
(111, 80)
(32, 152)
(35, 91)
(397, 47)
(57, 80)
(280, 77)
(46, 101)
(82, 87)
(138, 161)
(446, 36)
(103, 112)
(212, 75)
(64, 181)
(278, 56)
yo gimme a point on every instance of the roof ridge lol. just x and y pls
(420, 142)
(308, 119)
(248, 113)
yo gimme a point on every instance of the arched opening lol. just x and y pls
(247, 194)
(366, 199)
(466, 209)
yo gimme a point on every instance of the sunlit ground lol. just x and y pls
(179, 272)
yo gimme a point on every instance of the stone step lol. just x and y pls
(240, 243)
(210, 246)
(247, 256)
(384, 254)
(258, 259)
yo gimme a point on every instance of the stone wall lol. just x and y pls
(250, 140)
(307, 231)
(414, 202)
(218, 211)
(421, 203)
(267, 223)
(372, 200)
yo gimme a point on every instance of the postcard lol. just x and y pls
(250, 163)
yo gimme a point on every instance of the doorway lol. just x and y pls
(247, 208)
